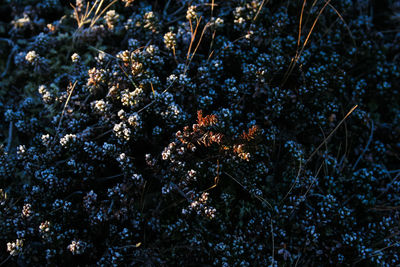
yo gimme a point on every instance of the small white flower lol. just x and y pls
(67, 139)
(15, 248)
(26, 210)
(191, 13)
(77, 247)
(192, 173)
(31, 57)
(170, 40)
(219, 22)
(75, 58)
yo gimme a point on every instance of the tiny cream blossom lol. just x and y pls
(249, 34)
(45, 139)
(75, 58)
(26, 210)
(15, 247)
(100, 106)
(219, 22)
(31, 56)
(191, 13)
(170, 40)
(67, 139)
(77, 247)
(44, 227)
(111, 18)
(192, 173)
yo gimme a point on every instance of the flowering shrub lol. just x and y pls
(174, 133)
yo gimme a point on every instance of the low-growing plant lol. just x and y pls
(213, 133)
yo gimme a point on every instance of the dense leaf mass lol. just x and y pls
(199, 133)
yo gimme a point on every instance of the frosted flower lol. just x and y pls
(210, 212)
(75, 58)
(21, 149)
(136, 68)
(122, 157)
(100, 106)
(149, 15)
(44, 227)
(166, 154)
(26, 210)
(125, 55)
(192, 173)
(239, 21)
(172, 78)
(15, 248)
(96, 76)
(67, 139)
(122, 131)
(170, 40)
(101, 56)
(31, 57)
(122, 114)
(249, 34)
(191, 13)
(150, 21)
(131, 99)
(219, 22)
(42, 89)
(134, 120)
(151, 49)
(77, 247)
(45, 139)
(111, 18)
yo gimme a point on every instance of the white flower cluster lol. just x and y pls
(122, 131)
(100, 106)
(44, 230)
(68, 139)
(170, 40)
(47, 97)
(75, 58)
(26, 210)
(132, 99)
(111, 18)
(32, 57)
(191, 13)
(77, 247)
(200, 207)
(15, 247)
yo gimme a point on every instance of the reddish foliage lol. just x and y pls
(206, 121)
(251, 134)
